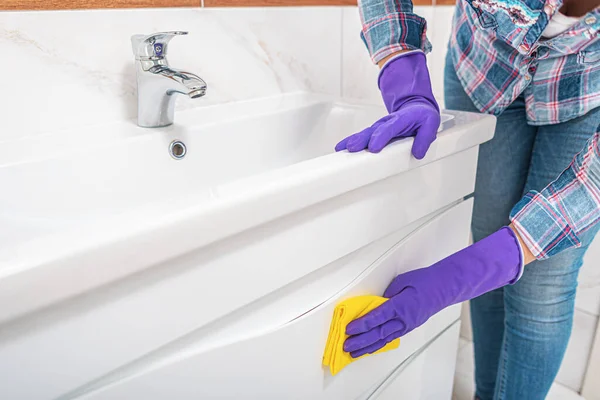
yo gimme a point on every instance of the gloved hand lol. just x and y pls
(415, 296)
(406, 90)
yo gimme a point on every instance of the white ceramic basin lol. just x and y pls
(224, 144)
(80, 181)
(78, 198)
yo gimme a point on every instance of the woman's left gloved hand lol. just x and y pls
(415, 296)
(406, 91)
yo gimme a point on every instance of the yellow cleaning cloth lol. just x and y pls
(347, 311)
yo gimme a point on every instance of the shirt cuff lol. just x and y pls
(543, 229)
(395, 32)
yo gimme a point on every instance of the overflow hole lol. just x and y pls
(177, 149)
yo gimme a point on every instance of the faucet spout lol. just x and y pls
(183, 82)
(158, 83)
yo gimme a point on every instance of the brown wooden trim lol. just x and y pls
(276, 3)
(91, 4)
(81, 4)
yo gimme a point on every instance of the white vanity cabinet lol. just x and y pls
(227, 292)
(258, 355)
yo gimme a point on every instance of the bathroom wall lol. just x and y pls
(70, 69)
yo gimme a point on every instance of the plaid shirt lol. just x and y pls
(551, 221)
(498, 55)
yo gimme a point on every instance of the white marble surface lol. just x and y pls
(74, 68)
(71, 69)
(441, 26)
(464, 385)
(359, 74)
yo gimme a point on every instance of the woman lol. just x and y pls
(535, 65)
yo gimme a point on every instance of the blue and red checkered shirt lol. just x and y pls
(498, 54)
(552, 220)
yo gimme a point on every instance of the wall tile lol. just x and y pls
(466, 331)
(572, 371)
(464, 385)
(588, 291)
(560, 392)
(441, 27)
(71, 69)
(359, 75)
(591, 384)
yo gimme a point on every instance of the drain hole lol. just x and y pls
(177, 149)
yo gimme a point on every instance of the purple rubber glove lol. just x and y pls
(406, 90)
(417, 295)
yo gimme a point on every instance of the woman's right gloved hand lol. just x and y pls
(406, 90)
(415, 296)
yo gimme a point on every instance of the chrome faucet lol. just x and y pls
(157, 82)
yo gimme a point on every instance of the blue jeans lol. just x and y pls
(520, 332)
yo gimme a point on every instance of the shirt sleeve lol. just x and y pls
(552, 220)
(389, 26)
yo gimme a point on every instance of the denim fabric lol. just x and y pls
(520, 332)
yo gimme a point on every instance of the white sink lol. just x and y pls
(131, 168)
(246, 163)
(90, 176)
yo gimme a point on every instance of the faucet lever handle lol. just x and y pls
(154, 46)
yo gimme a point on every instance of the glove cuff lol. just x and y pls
(404, 78)
(396, 57)
(513, 235)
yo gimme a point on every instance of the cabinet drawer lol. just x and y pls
(263, 351)
(426, 375)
